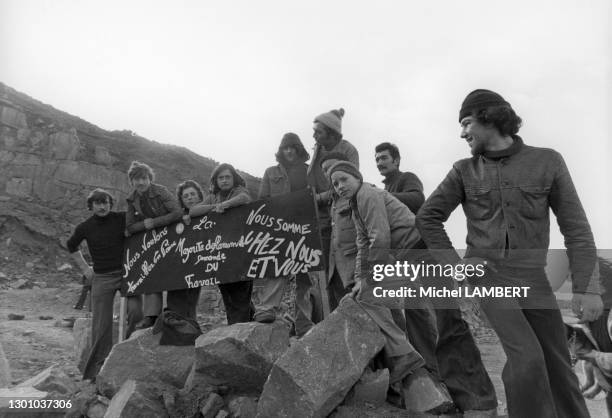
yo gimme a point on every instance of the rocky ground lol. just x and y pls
(43, 336)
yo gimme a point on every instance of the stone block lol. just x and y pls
(143, 359)
(240, 356)
(317, 371)
(53, 380)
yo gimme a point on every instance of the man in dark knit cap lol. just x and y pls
(506, 190)
(289, 175)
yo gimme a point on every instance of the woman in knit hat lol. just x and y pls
(384, 224)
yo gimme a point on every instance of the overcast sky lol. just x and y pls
(228, 79)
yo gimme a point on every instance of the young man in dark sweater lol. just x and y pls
(104, 233)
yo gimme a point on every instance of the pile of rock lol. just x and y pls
(247, 370)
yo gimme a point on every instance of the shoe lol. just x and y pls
(265, 317)
(147, 322)
(424, 393)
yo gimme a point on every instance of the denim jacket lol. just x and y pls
(506, 201)
(162, 202)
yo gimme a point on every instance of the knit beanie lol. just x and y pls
(332, 119)
(347, 167)
(480, 99)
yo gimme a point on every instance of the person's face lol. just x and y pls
(289, 153)
(385, 163)
(141, 184)
(327, 164)
(320, 134)
(345, 184)
(190, 197)
(225, 180)
(477, 135)
(101, 208)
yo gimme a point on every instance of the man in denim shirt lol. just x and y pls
(506, 190)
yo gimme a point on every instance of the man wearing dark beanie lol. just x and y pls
(507, 189)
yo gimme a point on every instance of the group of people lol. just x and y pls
(506, 189)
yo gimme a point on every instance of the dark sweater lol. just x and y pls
(104, 237)
(407, 188)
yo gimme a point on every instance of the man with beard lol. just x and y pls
(445, 338)
(289, 175)
(104, 233)
(327, 132)
(507, 189)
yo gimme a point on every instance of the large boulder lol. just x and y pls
(315, 374)
(135, 400)
(240, 356)
(143, 359)
(52, 379)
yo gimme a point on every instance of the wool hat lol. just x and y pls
(332, 119)
(480, 99)
(347, 167)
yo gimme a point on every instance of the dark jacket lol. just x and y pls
(163, 204)
(507, 200)
(407, 188)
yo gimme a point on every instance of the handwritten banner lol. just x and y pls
(267, 238)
